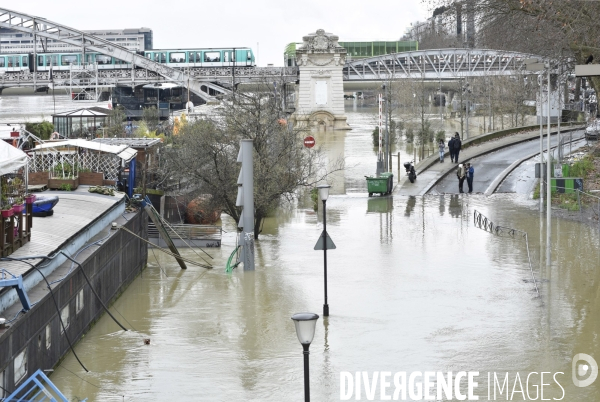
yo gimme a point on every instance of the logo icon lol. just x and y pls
(580, 370)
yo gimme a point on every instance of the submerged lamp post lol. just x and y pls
(305, 330)
(324, 194)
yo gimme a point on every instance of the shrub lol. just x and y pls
(440, 135)
(410, 135)
(42, 130)
(582, 167)
(65, 187)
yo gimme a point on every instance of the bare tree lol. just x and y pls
(204, 154)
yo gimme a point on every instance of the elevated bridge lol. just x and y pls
(141, 71)
(439, 64)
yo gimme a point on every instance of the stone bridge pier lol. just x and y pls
(320, 95)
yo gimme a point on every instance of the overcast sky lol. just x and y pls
(266, 26)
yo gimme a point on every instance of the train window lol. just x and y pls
(249, 55)
(40, 61)
(24, 61)
(2, 61)
(233, 55)
(149, 56)
(119, 61)
(102, 59)
(160, 57)
(226, 57)
(52, 60)
(89, 58)
(199, 57)
(212, 57)
(177, 57)
(68, 59)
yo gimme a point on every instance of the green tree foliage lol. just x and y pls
(42, 130)
(115, 127)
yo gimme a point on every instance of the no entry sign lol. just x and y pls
(309, 142)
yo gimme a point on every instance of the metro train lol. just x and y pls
(176, 58)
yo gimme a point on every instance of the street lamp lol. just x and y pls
(535, 65)
(324, 194)
(305, 330)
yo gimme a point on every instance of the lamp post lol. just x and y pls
(536, 65)
(324, 194)
(305, 330)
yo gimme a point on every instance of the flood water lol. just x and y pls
(413, 285)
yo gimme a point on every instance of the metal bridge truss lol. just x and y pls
(218, 79)
(43, 29)
(436, 64)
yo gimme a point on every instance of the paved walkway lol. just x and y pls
(430, 171)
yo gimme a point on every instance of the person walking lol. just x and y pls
(451, 148)
(470, 173)
(461, 173)
(441, 146)
(457, 145)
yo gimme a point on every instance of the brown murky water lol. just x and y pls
(413, 286)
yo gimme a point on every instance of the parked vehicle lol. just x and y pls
(410, 171)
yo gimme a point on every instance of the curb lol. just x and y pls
(427, 164)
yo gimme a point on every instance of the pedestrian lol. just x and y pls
(451, 148)
(461, 174)
(457, 144)
(441, 145)
(470, 173)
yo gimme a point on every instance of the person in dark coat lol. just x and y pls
(457, 145)
(470, 174)
(451, 148)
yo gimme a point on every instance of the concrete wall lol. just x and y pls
(111, 268)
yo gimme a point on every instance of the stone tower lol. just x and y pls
(320, 97)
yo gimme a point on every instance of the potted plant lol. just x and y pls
(30, 198)
(5, 207)
(18, 205)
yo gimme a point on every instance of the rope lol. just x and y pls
(164, 250)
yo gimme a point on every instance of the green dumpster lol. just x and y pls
(382, 184)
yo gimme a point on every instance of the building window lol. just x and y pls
(20, 366)
(79, 302)
(48, 336)
(64, 315)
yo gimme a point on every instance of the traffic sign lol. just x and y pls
(321, 245)
(309, 142)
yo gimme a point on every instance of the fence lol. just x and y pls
(482, 222)
(109, 164)
(191, 232)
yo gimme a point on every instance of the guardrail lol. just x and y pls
(189, 232)
(482, 222)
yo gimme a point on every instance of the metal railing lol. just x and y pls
(482, 222)
(189, 232)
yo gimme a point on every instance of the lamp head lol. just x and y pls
(305, 326)
(324, 191)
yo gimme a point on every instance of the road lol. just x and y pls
(490, 166)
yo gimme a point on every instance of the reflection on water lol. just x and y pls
(441, 296)
(412, 286)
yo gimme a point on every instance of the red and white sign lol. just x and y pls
(309, 142)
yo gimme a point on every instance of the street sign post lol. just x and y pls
(309, 142)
